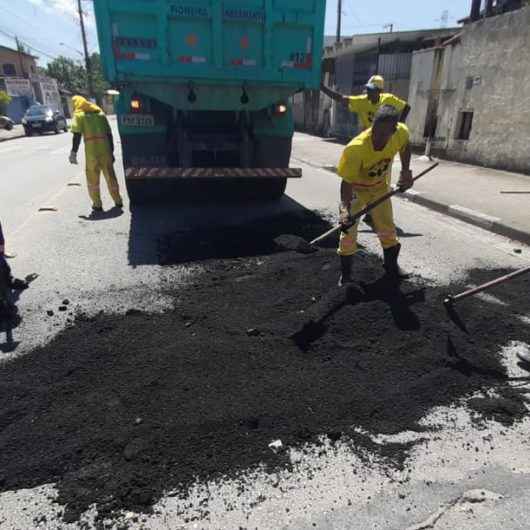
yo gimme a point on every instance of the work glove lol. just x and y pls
(345, 220)
(405, 180)
(73, 157)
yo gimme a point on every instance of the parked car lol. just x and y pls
(6, 123)
(40, 118)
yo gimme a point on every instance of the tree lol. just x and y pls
(5, 99)
(69, 74)
(100, 84)
(73, 76)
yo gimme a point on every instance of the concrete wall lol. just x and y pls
(486, 72)
(420, 91)
(452, 84)
(494, 84)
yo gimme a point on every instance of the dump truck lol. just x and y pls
(205, 89)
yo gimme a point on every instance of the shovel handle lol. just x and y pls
(371, 206)
(470, 292)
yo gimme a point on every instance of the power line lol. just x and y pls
(39, 39)
(25, 43)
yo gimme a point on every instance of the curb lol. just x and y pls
(492, 224)
(472, 217)
(22, 135)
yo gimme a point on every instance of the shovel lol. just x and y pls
(299, 244)
(450, 301)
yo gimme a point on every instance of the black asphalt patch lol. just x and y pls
(118, 410)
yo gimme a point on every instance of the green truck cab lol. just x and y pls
(205, 87)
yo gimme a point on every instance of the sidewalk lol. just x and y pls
(16, 132)
(477, 195)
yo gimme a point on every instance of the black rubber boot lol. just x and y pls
(391, 266)
(345, 267)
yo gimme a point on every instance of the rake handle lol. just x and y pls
(371, 206)
(470, 292)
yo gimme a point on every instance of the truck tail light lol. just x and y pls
(280, 109)
(136, 104)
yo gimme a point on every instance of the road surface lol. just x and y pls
(112, 264)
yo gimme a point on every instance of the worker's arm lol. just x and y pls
(405, 113)
(334, 95)
(346, 197)
(76, 142)
(405, 179)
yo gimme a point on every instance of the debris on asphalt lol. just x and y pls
(276, 446)
(211, 402)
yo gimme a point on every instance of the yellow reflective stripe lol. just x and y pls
(359, 185)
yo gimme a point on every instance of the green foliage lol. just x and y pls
(72, 75)
(99, 82)
(5, 99)
(69, 74)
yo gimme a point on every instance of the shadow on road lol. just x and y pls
(400, 232)
(113, 213)
(209, 228)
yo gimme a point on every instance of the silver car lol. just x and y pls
(40, 118)
(6, 123)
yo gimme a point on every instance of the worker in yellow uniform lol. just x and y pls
(366, 105)
(91, 124)
(365, 168)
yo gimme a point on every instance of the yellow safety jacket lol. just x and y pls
(95, 129)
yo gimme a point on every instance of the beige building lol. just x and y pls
(472, 94)
(16, 64)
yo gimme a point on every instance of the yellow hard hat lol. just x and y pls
(376, 82)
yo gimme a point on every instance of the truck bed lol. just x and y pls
(259, 42)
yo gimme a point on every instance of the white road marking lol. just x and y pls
(10, 149)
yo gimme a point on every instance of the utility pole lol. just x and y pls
(339, 19)
(85, 48)
(19, 50)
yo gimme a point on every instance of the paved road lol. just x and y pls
(111, 264)
(34, 171)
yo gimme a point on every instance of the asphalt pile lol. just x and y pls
(118, 410)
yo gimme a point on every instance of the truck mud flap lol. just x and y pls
(170, 173)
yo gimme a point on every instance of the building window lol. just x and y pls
(9, 69)
(466, 124)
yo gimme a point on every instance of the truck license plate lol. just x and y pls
(138, 120)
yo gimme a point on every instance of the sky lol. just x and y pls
(44, 24)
